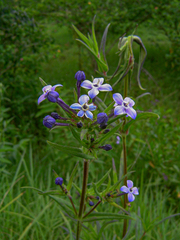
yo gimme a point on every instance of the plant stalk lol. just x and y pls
(82, 201)
(125, 156)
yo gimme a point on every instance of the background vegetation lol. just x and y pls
(37, 40)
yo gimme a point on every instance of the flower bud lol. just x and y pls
(49, 121)
(55, 115)
(79, 124)
(106, 147)
(102, 118)
(106, 131)
(59, 181)
(52, 96)
(103, 125)
(97, 197)
(91, 203)
(80, 76)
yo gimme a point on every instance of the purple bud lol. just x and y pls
(80, 76)
(49, 121)
(92, 140)
(106, 131)
(55, 115)
(91, 203)
(59, 181)
(52, 96)
(79, 124)
(103, 125)
(102, 118)
(97, 197)
(106, 147)
(108, 194)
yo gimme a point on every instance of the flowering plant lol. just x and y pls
(92, 123)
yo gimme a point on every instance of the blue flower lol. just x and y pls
(59, 181)
(130, 190)
(96, 86)
(84, 107)
(80, 76)
(124, 106)
(102, 118)
(49, 90)
(49, 121)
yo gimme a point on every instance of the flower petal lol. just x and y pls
(118, 98)
(131, 112)
(131, 197)
(105, 87)
(124, 189)
(76, 106)
(129, 183)
(89, 114)
(92, 107)
(57, 85)
(130, 101)
(87, 84)
(135, 191)
(80, 113)
(119, 110)
(98, 80)
(41, 98)
(47, 88)
(93, 92)
(83, 99)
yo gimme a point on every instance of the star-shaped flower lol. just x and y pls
(84, 107)
(124, 106)
(49, 89)
(130, 190)
(96, 86)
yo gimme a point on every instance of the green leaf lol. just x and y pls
(105, 216)
(108, 135)
(115, 178)
(72, 176)
(103, 42)
(95, 190)
(52, 192)
(68, 225)
(140, 116)
(43, 82)
(94, 37)
(77, 188)
(71, 150)
(64, 204)
(77, 137)
(142, 57)
(109, 108)
(85, 39)
(116, 118)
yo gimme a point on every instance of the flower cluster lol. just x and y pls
(86, 105)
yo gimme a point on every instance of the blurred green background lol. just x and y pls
(37, 40)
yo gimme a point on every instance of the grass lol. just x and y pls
(153, 151)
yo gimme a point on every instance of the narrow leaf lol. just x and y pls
(109, 134)
(77, 137)
(72, 176)
(142, 57)
(70, 150)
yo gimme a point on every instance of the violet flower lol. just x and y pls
(124, 106)
(130, 190)
(96, 86)
(53, 94)
(84, 107)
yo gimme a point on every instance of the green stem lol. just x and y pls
(82, 201)
(125, 157)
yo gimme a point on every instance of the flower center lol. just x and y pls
(46, 89)
(130, 190)
(126, 104)
(85, 107)
(96, 84)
